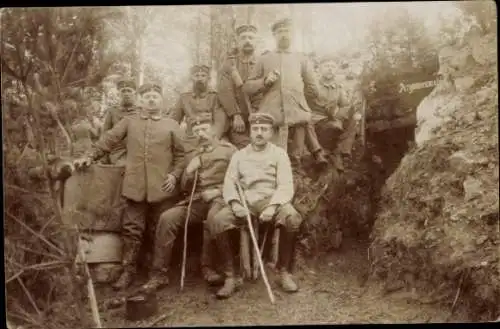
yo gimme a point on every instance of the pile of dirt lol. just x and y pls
(437, 230)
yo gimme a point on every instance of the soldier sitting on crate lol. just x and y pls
(210, 160)
(264, 172)
(153, 168)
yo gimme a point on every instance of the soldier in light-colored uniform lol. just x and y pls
(264, 173)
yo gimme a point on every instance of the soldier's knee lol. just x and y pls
(171, 219)
(292, 218)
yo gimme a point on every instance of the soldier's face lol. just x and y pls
(151, 100)
(200, 79)
(203, 132)
(127, 95)
(260, 133)
(283, 37)
(327, 70)
(246, 42)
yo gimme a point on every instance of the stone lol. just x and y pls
(472, 188)
(460, 161)
(482, 239)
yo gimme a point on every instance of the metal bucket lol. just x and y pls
(140, 307)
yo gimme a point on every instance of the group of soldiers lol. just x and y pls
(233, 155)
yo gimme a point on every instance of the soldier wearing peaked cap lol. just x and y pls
(264, 172)
(154, 148)
(200, 101)
(128, 106)
(282, 76)
(210, 158)
(235, 71)
(333, 112)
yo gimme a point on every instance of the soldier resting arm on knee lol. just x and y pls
(264, 172)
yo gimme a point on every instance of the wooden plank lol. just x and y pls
(255, 255)
(245, 253)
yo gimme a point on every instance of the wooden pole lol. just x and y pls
(184, 249)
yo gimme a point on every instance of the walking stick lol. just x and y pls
(255, 244)
(184, 249)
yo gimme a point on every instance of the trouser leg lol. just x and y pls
(134, 222)
(288, 221)
(311, 140)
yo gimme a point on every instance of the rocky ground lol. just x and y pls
(334, 290)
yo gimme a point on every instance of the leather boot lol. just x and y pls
(319, 157)
(157, 280)
(231, 283)
(338, 161)
(286, 260)
(207, 265)
(130, 250)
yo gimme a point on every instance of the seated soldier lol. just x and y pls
(264, 173)
(333, 114)
(153, 166)
(210, 159)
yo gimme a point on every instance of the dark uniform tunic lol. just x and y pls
(154, 149)
(232, 98)
(113, 116)
(191, 106)
(207, 200)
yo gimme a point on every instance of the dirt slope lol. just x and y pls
(438, 228)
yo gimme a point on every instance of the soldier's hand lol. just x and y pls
(238, 124)
(239, 210)
(82, 163)
(193, 165)
(268, 213)
(169, 184)
(271, 78)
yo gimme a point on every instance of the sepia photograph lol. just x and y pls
(250, 164)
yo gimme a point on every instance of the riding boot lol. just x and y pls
(207, 265)
(160, 267)
(338, 161)
(231, 283)
(286, 256)
(319, 157)
(130, 251)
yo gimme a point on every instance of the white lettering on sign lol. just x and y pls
(409, 88)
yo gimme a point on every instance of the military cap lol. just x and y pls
(126, 83)
(246, 28)
(286, 22)
(150, 87)
(261, 118)
(200, 67)
(200, 120)
(327, 58)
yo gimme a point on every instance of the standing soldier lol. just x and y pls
(154, 164)
(200, 102)
(333, 113)
(283, 76)
(128, 97)
(235, 72)
(210, 159)
(264, 173)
